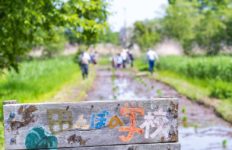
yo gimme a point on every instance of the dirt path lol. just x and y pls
(205, 130)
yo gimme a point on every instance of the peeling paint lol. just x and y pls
(76, 139)
(27, 117)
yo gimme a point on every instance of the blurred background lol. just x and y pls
(40, 41)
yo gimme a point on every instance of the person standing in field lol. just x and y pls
(84, 64)
(152, 57)
(130, 58)
(124, 57)
(119, 61)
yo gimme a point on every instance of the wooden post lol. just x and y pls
(96, 125)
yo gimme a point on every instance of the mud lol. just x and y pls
(199, 127)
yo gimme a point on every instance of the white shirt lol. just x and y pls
(124, 55)
(119, 60)
(85, 58)
(152, 55)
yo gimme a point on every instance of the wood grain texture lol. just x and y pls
(9, 102)
(157, 146)
(95, 123)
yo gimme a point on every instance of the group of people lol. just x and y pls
(122, 59)
(126, 57)
(84, 59)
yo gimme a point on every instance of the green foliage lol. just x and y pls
(224, 143)
(221, 90)
(211, 33)
(212, 73)
(88, 20)
(21, 21)
(202, 23)
(145, 34)
(37, 79)
(159, 93)
(1, 135)
(54, 44)
(196, 89)
(171, 2)
(185, 121)
(183, 110)
(217, 71)
(180, 22)
(217, 68)
(109, 37)
(104, 61)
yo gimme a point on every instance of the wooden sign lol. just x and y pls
(93, 125)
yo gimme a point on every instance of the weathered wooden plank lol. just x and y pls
(99, 123)
(157, 146)
(9, 102)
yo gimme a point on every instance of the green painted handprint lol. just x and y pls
(38, 138)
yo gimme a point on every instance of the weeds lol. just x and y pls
(183, 110)
(185, 121)
(224, 143)
(159, 93)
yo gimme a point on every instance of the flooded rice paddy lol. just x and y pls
(199, 127)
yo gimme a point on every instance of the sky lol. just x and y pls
(134, 10)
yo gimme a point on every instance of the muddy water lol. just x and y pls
(201, 130)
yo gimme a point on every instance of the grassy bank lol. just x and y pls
(77, 90)
(206, 80)
(38, 80)
(213, 71)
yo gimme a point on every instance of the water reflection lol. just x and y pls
(206, 137)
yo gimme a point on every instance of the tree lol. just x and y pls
(215, 28)
(109, 36)
(206, 23)
(21, 20)
(145, 34)
(54, 43)
(171, 2)
(180, 22)
(88, 20)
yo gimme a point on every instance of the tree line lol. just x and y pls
(203, 23)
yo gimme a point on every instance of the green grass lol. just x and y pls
(184, 85)
(104, 60)
(212, 72)
(216, 71)
(197, 90)
(218, 67)
(202, 79)
(37, 81)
